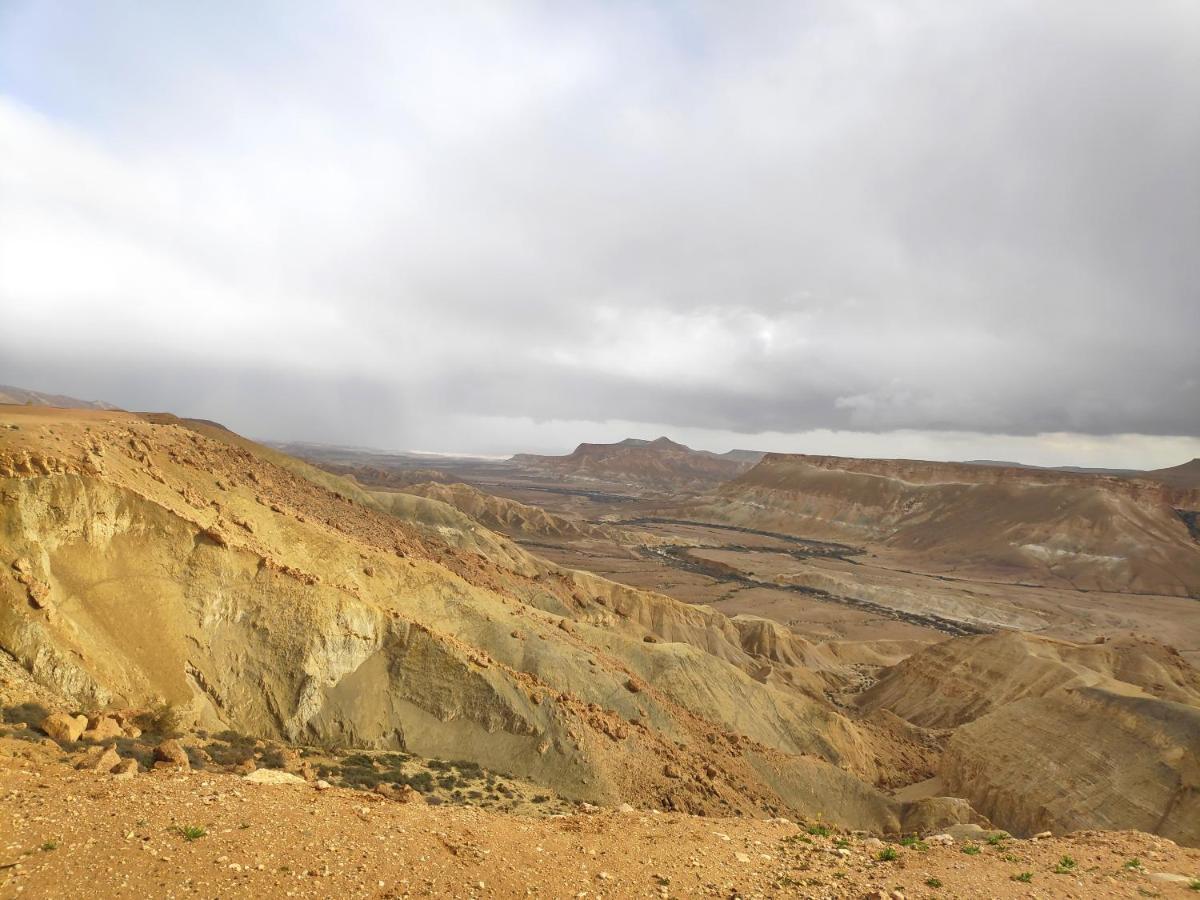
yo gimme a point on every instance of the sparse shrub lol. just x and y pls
(996, 839)
(970, 849)
(819, 830)
(933, 882)
(887, 854)
(50, 845)
(841, 843)
(1023, 877)
(1065, 866)
(191, 832)
(540, 798)
(229, 754)
(1194, 884)
(161, 721)
(32, 714)
(359, 760)
(1134, 863)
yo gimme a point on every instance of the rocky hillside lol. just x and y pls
(1130, 706)
(1066, 529)
(659, 464)
(155, 560)
(21, 396)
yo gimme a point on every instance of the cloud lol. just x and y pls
(790, 218)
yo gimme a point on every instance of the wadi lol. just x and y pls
(860, 672)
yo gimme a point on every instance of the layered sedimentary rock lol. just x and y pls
(1074, 530)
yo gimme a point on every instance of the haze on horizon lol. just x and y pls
(938, 230)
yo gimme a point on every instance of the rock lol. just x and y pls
(1170, 878)
(1042, 835)
(273, 776)
(245, 767)
(873, 843)
(626, 809)
(100, 759)
(63, 728)
(322, 785)
(968, 831)
(650, 639)
(290, 759)
(170, 755)
(632, 686)
(742, 857)
(125, 770)
(944, 839)
(39, 594)
(671, 772)
(103, 728)
(565, 625)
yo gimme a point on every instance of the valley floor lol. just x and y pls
(67, 833)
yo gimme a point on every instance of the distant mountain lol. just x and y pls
(661, 464)
(21, 396)
(1185, 476)
(1088, 531)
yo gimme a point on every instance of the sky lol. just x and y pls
(934, 229)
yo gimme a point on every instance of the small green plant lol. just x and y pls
(1133, 864)
(887, 854)
(1065, 866)
(191, 832)
(1009, 857)
(970, 849)
(50, 845)
(842, 843)
(819, 831)
(1194, 884)
(996, 839)
(1023, 877)
(933, 882)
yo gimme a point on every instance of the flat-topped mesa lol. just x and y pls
(659, 463)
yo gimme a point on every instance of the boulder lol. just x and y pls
(125, 770)
(63, 728)
(103, 728)
(100, 759)
(170, 755)
(273, 776)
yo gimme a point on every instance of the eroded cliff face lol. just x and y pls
(1082, 758)
(1084, 531)
(151, 561)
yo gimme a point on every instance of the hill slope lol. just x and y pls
(153, 558)
(1084, 531)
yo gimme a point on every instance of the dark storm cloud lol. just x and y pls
(746, 218)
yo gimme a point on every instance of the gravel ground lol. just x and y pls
(68, 833)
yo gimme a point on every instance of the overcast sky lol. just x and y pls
(952, 230)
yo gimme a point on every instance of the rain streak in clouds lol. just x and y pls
(937, 228)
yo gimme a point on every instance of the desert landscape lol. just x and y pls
(820, 645)
(599, 450)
